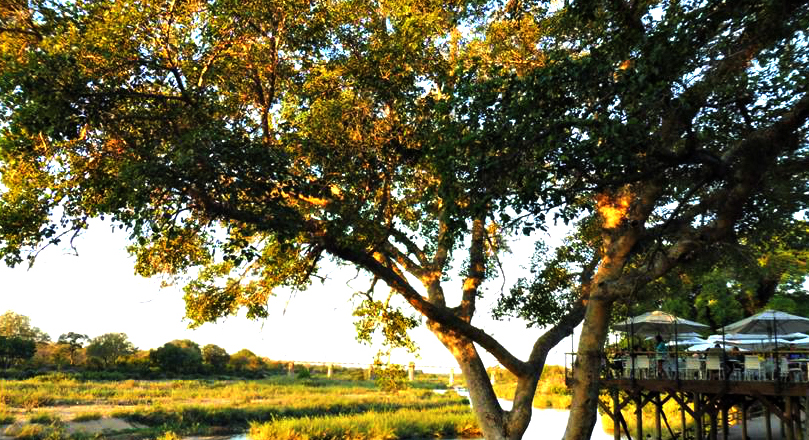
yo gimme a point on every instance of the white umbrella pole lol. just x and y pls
(676, 350)
(777, 360)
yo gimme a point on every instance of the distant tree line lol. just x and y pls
(25, 349)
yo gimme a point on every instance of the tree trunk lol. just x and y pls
(587, 368)
(495, 423)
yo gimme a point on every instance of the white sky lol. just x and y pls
(97, 292)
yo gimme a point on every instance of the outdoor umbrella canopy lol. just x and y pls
(770, 322)
(658, 323)
(703, 347)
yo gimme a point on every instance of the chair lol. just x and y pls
(693, 368)
(713, 363)
(752, 368)
(794, 371)
(642, 366)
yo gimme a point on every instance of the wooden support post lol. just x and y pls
(658, 429)
(290, 369)
(789, 423)
(744, 419)
(712, 414)
(616, 411)
(698, 431)
(768, 422)
(639, 416)
(682, 419)
(330, 371)
(451, 376)
(411, 372)
(725, 422)
(806, 416)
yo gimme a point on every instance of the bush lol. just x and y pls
(303, 373)
(44, 418)
(86, 417)
(6, 418)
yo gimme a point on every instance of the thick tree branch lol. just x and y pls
(438, 314)
(475, 272)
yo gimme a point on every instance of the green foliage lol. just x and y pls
(390, 378)
(245, 360)
(15, 349)
(179, 356)
(215, 356)
(109, 347)
(87, 416)
(13, 325)
(6, 418)
(44, 418)
(72, 342)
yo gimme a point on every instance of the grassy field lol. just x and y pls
(59, 406)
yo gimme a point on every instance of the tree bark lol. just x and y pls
(585, 386)
(495, 423)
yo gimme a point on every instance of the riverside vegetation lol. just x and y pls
(53, 407)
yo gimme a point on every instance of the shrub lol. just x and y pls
(44, 418)
(6, 418)
(303, 373)
(87, 416)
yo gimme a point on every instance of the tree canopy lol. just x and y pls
(242, 144)
(14, 325)
(109, 347)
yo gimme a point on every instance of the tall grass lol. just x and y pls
(206, 406)
(454, 421)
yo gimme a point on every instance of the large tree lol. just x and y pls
(14, 325)
(109, 347)
(245, 143)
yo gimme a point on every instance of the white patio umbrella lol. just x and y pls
(689, 341)
(703, 347)
(661, 323)
(803, 343)
(658, 322)
(770, 322)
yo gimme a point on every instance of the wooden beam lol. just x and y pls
(773, 408)
(681, 402)
(616, 424)
(606, 409)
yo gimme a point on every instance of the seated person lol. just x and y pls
(738, 361)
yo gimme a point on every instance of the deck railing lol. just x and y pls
(749, 366)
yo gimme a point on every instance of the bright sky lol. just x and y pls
(97, 292)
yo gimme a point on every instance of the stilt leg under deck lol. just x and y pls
(616, 411)
(790, 428)
(639, 416)
(658, 428)
(724, 422)
(698, 431)
(682, 418)
(806, 417)
(767, 422)
(744, 419)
